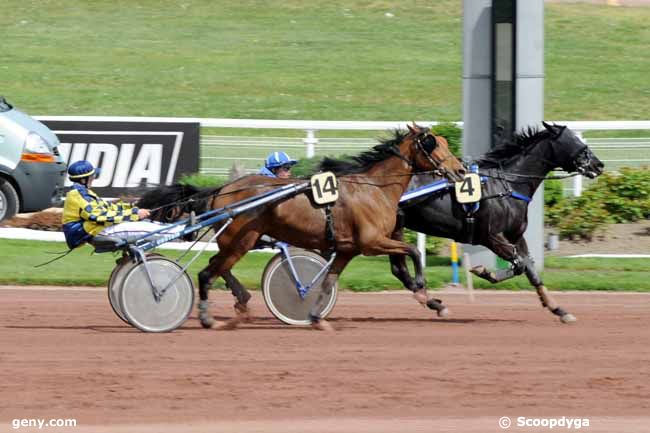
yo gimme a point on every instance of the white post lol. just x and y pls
(311, 141)
(422, 248)
(468, 277)
(577, 185)
(577, 180)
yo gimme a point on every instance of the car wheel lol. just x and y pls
(9, 201)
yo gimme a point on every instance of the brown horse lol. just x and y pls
(364, 216)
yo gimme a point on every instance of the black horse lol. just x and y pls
(514, 170)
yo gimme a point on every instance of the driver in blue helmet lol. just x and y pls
(278, 164)
(86, 215)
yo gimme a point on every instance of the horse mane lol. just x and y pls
(363, 161)
(520, 143)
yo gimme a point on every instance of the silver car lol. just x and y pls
(31, 170)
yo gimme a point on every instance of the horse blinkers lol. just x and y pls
(426, 143)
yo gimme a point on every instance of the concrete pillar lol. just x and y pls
(530, 104)
(477, 89)
(529, 96)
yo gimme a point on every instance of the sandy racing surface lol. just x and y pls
(388, 368)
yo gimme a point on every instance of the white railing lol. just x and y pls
(251, 150)
(609, 150)
(254, 149)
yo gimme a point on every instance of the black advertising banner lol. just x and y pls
(132, 155)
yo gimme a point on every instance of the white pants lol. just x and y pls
(131, 229)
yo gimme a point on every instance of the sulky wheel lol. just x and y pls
(124, 265)
(138, 301)
(279, 286)
(114, 284)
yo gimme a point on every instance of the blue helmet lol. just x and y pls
(80, 169)
(278, 159)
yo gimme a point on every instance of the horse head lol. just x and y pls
(432, 154)
(571, 153)
(169, 203)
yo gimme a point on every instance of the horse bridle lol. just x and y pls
(438, 168)
(578, 168)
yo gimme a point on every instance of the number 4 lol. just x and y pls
(469, 190)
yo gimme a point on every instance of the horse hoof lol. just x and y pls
(421, 296)
(206, 319)
(478, 270)
(444, 312)
(207, 323)
(568, 318)
(322, 325)
(243, 312)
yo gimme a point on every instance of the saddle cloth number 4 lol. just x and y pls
(325, 187)
(469, 190)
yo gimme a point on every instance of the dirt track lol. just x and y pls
(388, 368)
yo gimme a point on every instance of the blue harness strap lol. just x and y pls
(430, 188)
(515, 194)
(443, 185)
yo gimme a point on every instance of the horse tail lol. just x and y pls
(186, 197)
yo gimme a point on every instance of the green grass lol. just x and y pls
(18, 257)
(335, 60)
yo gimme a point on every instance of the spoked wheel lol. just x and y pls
(280, 292)
(115, 283)
(139, 304)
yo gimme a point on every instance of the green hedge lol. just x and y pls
(453, 134)
(617, 197)
(553, 192)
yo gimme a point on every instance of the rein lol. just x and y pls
(217, 192)
(198, 196)
(436, 171)
(530, 176)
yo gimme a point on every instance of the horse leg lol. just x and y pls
(220, 265)
(519, 256)
(338, 265)
(507, 251)
(398, 262)
(240, 293)
(544, 296)
(400, 271)
(206, 277)
(398, 251)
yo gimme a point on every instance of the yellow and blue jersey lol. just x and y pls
(85, 215)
